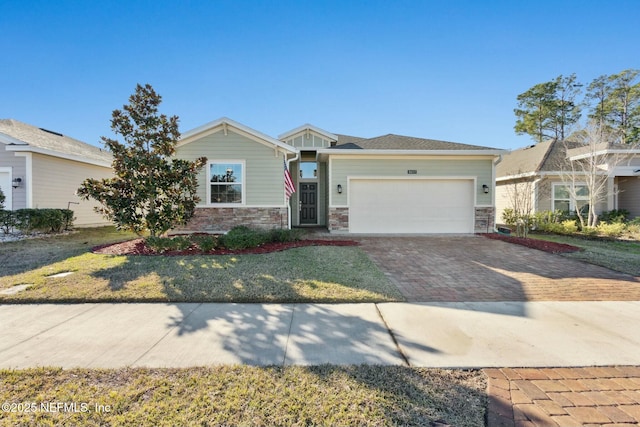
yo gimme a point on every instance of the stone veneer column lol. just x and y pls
(484, 219)
(338, 219)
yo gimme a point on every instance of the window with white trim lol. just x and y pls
(226, 182)
(564, 199)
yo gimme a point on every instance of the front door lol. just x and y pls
(308, 203)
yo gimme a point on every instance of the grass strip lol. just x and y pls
(324, 395)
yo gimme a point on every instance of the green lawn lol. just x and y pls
(307, 274)
(247, 396)
(623, 256)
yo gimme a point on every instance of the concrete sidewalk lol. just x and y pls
(481, 334)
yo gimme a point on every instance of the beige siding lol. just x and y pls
(430, 167)
(264, 172)
(18, 170)
(629, 195)
(507, 192)
(55, 182)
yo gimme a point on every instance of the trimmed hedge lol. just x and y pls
(43, 220)
(238, 238)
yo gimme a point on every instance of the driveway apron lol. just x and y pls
(474, 268)
(452, 270)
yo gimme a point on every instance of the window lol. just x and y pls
(308, 170)
(226, 182)
(564, 200)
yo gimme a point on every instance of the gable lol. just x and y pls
(308, 137)
(226, 125)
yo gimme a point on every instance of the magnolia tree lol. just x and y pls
(151, 191)
(591, 168)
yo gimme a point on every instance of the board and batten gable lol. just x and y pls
(344, 167)
(16, 167)
(55, 182)
(264, 182)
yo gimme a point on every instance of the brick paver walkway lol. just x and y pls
(474, 268)
(565, 397)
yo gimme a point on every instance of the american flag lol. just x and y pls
(289, 187)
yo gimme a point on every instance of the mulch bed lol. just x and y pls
(137, 247)
(543, 245)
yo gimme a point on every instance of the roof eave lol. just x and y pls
(23, 148)
(381, 152)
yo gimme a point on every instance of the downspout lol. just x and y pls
(293, 159)
(495, 162)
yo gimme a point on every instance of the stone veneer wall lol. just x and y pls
(338, 219)
(484, 220)
(216, 220)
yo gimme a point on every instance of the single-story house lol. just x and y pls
(40, 168)
(545, 169)
(387, 184)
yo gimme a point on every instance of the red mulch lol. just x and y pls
(543, 245)
(137, 247)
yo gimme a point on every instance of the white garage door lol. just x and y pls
(411, 206)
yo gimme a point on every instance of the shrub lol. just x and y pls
(589, 231)
(611, 230)
(164, 244)
(569, 226)
(244, 237)
(509, 216)
(205, 243)
(284, 235)
(7, 221)
(616, 216)
(44, 220)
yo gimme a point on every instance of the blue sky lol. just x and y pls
(447, 70)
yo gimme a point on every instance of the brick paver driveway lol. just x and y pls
(474, 268)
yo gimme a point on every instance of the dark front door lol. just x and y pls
(308, 203)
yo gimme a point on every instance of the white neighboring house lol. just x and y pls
(43, 169)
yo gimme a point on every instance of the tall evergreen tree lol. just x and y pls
(623, 105)
(548, 110)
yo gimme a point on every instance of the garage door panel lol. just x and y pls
(410, 206)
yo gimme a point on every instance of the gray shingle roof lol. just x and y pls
(546, 156)
(400, 142)
(32, 136)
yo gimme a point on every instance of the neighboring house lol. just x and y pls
(388, 184)
(43, 169)
(546, 167)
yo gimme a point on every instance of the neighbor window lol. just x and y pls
(569, 201)
(226, 182)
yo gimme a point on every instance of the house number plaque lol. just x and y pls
(412, 172)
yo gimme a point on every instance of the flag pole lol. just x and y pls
(288, 165)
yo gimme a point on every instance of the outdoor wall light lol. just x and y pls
(485, 188)
(16, 182)
(339, 189)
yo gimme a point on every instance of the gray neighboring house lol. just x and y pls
(348, 184)
(43, 169)
(545, 166)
